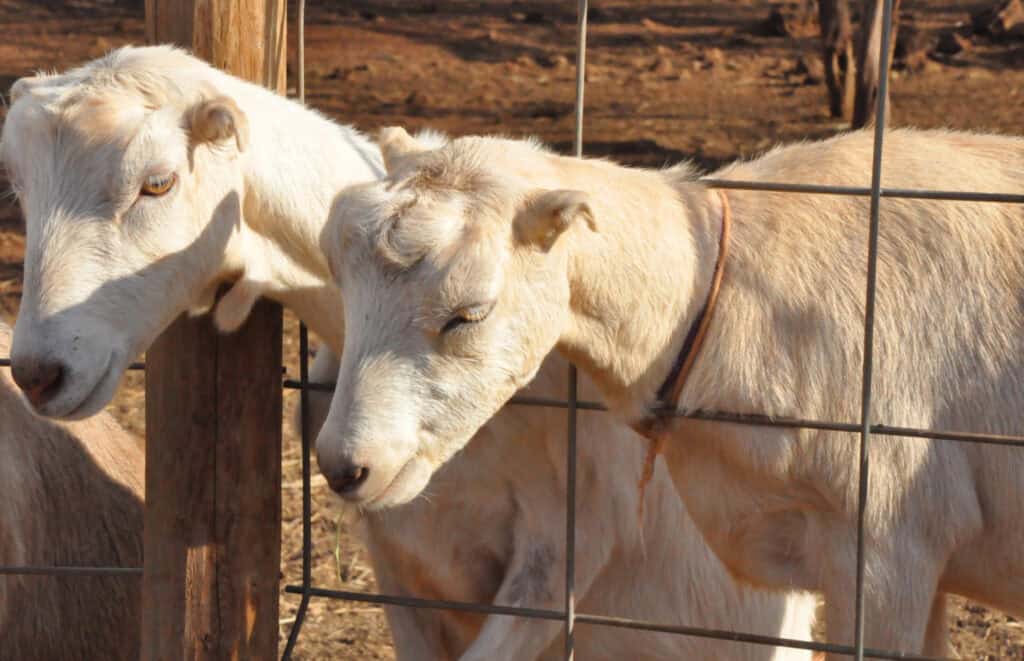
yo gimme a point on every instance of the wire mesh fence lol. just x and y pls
(866, 427)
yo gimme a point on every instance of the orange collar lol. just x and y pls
(653, 426)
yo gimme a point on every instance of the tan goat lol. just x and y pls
(72, 496)
(469, 263)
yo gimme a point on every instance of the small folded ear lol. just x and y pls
(549, 214)
(218, 119)
(396, 144)
(20, 87)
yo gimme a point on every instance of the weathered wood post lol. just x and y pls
(213, 416)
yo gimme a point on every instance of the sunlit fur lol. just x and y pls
(491, 529)
(292, 165)
(106, 269)
(778, 506)
(71, 495)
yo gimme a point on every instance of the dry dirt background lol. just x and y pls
(666, 80)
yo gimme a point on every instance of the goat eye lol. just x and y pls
(468, 315)
(157, 185)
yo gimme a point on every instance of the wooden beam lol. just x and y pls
(213, 416)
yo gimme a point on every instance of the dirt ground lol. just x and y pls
(667, 80)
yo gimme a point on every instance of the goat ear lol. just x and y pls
(217, 119)
(396, 144)
(20, 87)
(549, 214)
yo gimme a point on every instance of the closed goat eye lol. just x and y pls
(156, 185)
(468, 315)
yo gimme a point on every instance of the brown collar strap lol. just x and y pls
(653, 426)
(668, 394)
(672, 388)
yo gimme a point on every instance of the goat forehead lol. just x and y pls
(112, 118)
(35, 128)
(95, 154)
(471, 278)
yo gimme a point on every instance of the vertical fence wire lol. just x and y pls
(570, 521)
(570, 492)
(307, 496)
(869, 320)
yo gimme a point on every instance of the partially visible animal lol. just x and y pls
(852, 82)
(492, 530)
(72, 495)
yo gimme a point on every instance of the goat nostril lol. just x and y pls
(348, 479)
(40, 381)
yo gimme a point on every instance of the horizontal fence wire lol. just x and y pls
(38, 570)
(716, 416)
(67, 570)
(600, 620)
(6, 362)
(857, 191)
(752, 419)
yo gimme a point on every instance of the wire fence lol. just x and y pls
(865, 427)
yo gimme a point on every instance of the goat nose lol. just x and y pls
(40, 380)
(348, 478)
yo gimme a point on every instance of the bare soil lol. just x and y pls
(666, 81)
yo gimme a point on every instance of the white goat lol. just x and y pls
(72, 495)
(147, 178)
(493, 531)
(464, 268)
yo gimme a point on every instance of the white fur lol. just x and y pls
(779, 506)
(254, 217)
(106, 269)
(71, 494)
(492, 530)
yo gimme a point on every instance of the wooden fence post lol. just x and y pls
(213, 416)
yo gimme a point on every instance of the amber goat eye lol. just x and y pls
(157, 185)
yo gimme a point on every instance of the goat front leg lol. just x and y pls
(417, 634)
(536, 579)
(936, 637)
(901, 580)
